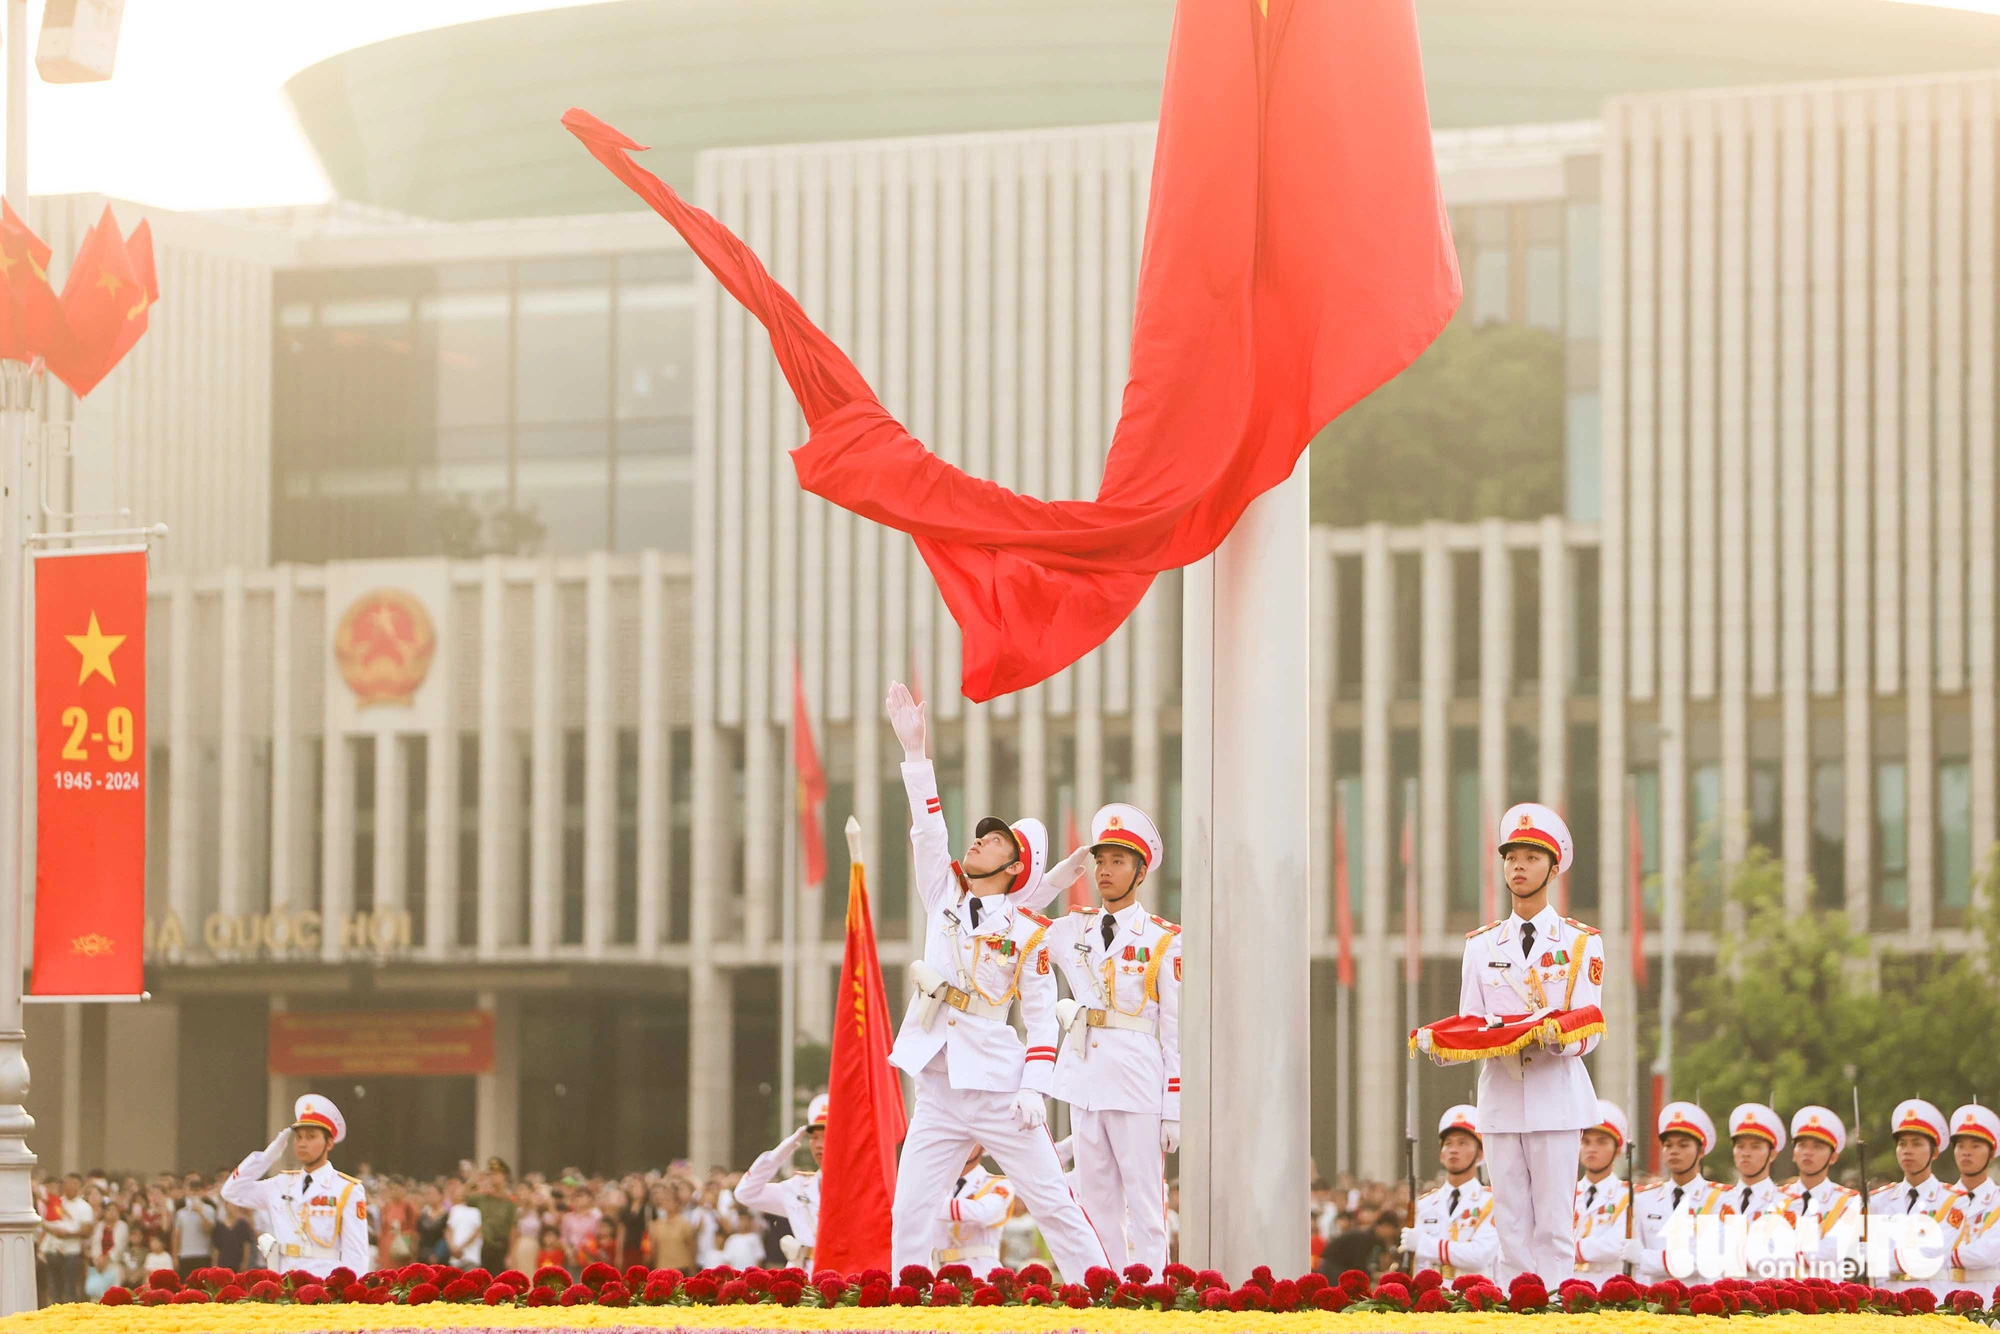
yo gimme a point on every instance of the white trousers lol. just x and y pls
(947, 1123)
(1121, 1183)
(1534, 1203)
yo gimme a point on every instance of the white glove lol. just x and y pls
(792, 1141)
(276, 1148)
(1170, 1136)
(1633, 1253)
(1029, 1109)
(790, 1246)
(1409, 1241)
(1069, 870)
(1066, 1009)
(1424, 1041)
(906, 716)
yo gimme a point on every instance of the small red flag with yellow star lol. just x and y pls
(105, 300)
(30, 317)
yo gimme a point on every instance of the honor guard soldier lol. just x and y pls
(317, 1218)
(1533, 1105)
(1664, 1226)
(797, 1196)
(1973, 1259)
(970, 1222)
(1601, 1197)
(1827, 1214)
(1454, 1229)
(1919, 1130)
(1756, 1138)
(976, 1083)
(1120, 1065)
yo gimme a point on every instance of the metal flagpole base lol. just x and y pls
(20, 1226)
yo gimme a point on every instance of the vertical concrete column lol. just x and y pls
(600, 774)
(711, 1066)
(1247, 999)
(496, 1128)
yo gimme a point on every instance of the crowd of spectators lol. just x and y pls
(101, 1231)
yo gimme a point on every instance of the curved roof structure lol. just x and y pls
(462, 122)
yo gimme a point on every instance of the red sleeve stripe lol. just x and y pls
(1032, 1050)
(1042, 1056)
(954, 1210)
(1173, 1086)
(932, 805)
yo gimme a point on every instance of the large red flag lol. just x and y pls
(104, 303)
(812, 782)
(30, 318)
(1296, 256)
(864, 1106)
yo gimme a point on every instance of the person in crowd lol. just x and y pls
(235, 1240)
(579, 1224)
(497, 1211)
(396, 1228)
(66, 1227)
(157, 1256)
(632, 1223)
(464, 1229)
(745, 1247)
(1362, 1245)
(669, 1230)
(193, 1231)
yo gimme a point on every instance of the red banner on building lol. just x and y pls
(382, 1042)
(90, 769)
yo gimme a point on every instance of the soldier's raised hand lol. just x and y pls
(1070, 869)
(906, 716)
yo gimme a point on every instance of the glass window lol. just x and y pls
(1583, 458)
(1583, 628)
(1646, 794)
(1705, 812)
(653, 499)
(563, 342)
(1465, 643)
(1767, 826)
(1491, 275)
(1954, 855)
(466, 334)
(1348, 637)
(1892, 836)
(1468, 834)
(1544, 264)
(1584, 882)
(1581, 243)
(563, 487)
(1829, 826)
(655, 350)
(1407, 598)
(1525, 568)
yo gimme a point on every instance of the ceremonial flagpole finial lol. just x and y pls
(853, 840)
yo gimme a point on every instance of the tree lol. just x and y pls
(1792, 1007)
(1473, 428)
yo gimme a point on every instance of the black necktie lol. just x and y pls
(959, 1187)
(975, 914)
(1590, 1200)
(1452, 1208)
(1110, 929)
(1912, 1206)
(1527, 939)
(1678, 1192)
(1744, 1207)
(1807, 1207)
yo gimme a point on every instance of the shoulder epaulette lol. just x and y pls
(1087, 912)
(1482, 930)
(1587, 930)
(291, 1172)
(1165, 925)
(344, 1177)
(1036, 918)
(1883, 1190)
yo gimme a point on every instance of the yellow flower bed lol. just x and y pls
(212, 1319)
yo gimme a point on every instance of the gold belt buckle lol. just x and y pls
(292, 1249)
(956, 999)
(1094, 1018)
(1958, 1276)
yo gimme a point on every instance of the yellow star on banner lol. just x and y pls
(109, 282)
(96, 648)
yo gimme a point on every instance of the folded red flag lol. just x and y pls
(1296, 256)
(1468, 1037)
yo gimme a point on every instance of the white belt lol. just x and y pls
(966, 1002)
(956, 1254)
(1131, 1023)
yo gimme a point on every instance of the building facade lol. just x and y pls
(1766, 614)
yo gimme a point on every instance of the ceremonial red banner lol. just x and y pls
(90, 766)
(1467, 1037)
(382, 1042)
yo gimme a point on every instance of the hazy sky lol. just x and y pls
(195, 116)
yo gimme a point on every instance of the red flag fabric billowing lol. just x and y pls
(30, 317)
(105, 300)
(1296, 256)
(864, 1106)
(812, 783)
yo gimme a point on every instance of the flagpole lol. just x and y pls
(20, 1227)
(788, 994)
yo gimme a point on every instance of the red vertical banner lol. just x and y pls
(90, 766)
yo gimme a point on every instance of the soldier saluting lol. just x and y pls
(316, 1218)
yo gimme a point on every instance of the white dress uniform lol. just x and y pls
(1827, 1217)
(1659, 1206)
(968, 1228)
(1602, 1205)
(316, 1221)
(797, 1196)
(1899, 1199)
(1454, 1228)
(1970, 1228)
(966, 1059)
(1119, 1068)
(1534, 1105)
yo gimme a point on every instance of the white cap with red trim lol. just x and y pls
(1754, 1118)
(1820, 1123)
(1033, 837)
(1121, 826)
(1920, 1117)
(1611, 1120)
(1462, 1117)
(1531, 825)
(1684, 1118)
(321, 1114)
(816, 1112)
(1980, 1123)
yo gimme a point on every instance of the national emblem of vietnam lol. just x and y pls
(384, 645)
